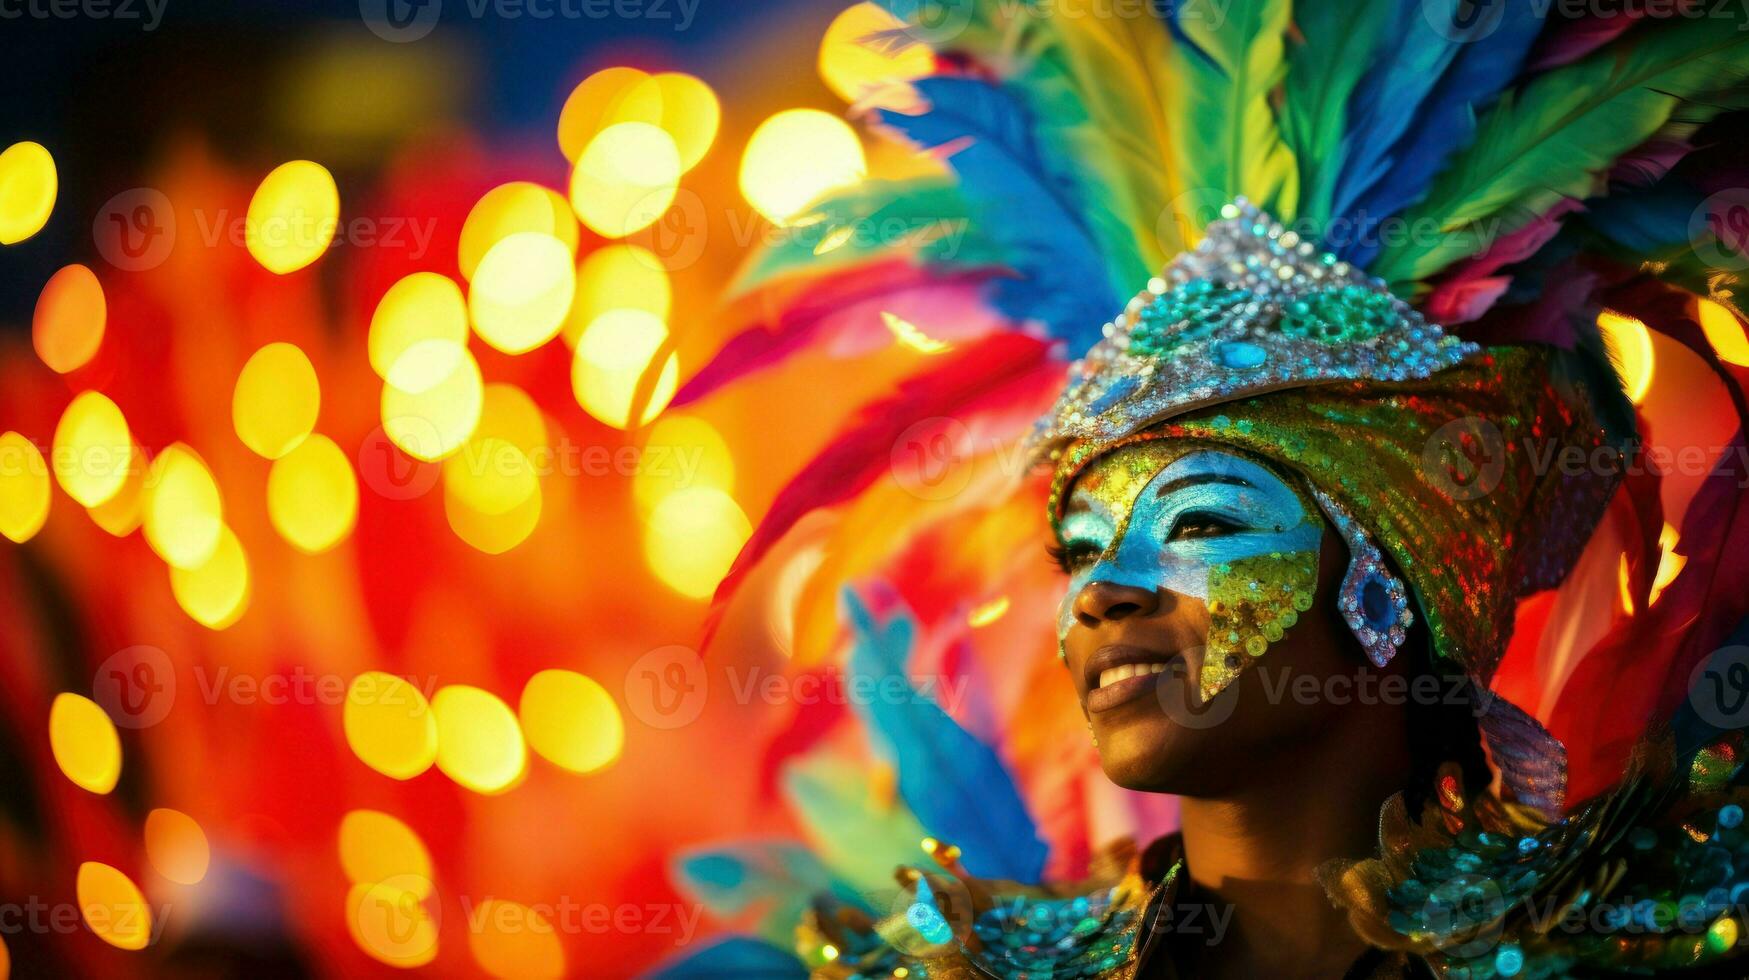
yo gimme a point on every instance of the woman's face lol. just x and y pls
(1201, 586)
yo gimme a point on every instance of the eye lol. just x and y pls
(1072, 556)
(1194, 524)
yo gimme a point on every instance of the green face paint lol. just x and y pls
(1203, 523)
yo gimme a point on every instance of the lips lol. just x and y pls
(1119, 674)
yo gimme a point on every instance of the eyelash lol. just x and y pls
(1069, 557)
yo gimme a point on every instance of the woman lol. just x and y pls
(1340, 578)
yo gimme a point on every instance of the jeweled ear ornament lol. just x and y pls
(1373, 601)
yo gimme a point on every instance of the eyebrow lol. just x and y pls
(1192, 479)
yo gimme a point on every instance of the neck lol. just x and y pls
(1255, 851)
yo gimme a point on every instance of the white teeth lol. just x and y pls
(1123, 672)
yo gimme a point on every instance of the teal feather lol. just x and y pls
(1336, 43)
(777, 878)
(860, 838)
(1555, 137)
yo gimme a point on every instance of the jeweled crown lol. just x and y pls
(1253, 308)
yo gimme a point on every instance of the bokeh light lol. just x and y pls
(683, 452)
(620, 276)
(113, 907)
(181, 513)
(375, 846)
(690, 114)
(28, 184)
(432, 422)
(479, 744)
(611, 357)
(84, 743)
(515, 942)
(390, 922)
(276, 401)
(692, 538)
(608, 97)
(120, 514)
(93, 449)
(521, 291)
(67, 326)
(856, 68)
(215, 593)
(1725, 332)
(571, 720)
(24, 488)
(625, 179)
(418, 331)
(492, 490)
(389, 725)
(796, 156)
(312, 495)
(509, 209)
(176, 846)
(293, 216)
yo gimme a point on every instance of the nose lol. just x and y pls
(1107, 602)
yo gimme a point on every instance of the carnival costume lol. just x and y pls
(1373, 243)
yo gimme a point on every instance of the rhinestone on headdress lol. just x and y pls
(1253, 308)
(1372, 600)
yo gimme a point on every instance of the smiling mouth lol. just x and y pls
(1120, 674)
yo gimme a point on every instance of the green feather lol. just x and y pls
(1554, 137)
(1226, 133)
(1334, 47)
(860, 838)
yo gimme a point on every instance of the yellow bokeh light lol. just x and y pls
(681, 452)
(420, 308)
(312, 495)
(67, 326)
(1630, 347)
(522, 291)
(292, 216)
(176, 846)
(84, 743)
(491, 476)
(1724, 332)
(692, 538)
(215, 593)
(571, 720)
(113, 907)
(491, 487)
(389, 921)
(276, 401)
(120, 514)
(855, 68)
(796, 156)
(509, 209)
(690, 114)
(28, 183)
(375, 846)
(182, 514)
(625, 179)
(24, 488)
(389, 725)
(514, 942)
(618, 277)
(492, 534)
(93, 450)
(608, 97)
(433, 422)
(479, 744)
(610, 358)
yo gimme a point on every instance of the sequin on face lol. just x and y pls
(1256, 573)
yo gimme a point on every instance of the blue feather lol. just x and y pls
(1446, 121)
(1021, 206)
(1648, 223)
(957, 785)
(730, 958)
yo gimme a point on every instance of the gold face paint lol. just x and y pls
(1202, 522)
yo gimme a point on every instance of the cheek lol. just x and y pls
(1252, 603)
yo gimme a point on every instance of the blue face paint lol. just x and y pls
(1202, 523)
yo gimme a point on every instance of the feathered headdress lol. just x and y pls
(1428, 207)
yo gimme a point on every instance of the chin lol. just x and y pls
(1143, 747)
